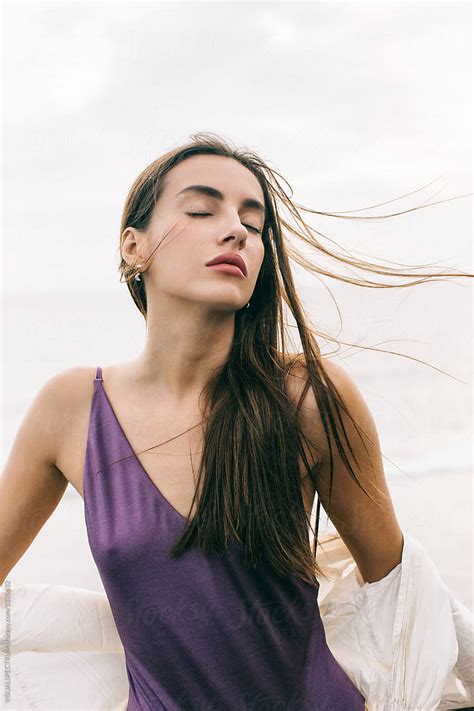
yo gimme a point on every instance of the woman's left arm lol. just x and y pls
(371, 532)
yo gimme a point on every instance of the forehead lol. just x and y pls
(229, 176)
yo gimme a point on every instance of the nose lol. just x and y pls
(237, 231)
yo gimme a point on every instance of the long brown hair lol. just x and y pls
(251, 481)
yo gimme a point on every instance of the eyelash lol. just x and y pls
(206, 214)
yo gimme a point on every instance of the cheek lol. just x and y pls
(175, 245)
(181, 264)
(261, 256)
(174, 230)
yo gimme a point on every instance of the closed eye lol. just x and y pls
(206, 214)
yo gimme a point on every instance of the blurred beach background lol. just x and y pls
(344, 100)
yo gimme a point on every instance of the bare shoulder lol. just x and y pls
(55, 409)
(68, 390)
(62, 403)
(77, 380)
(351, 395)
(73, 390)
(70, 379)
(330, 367)
(310, 411)
(309, 414)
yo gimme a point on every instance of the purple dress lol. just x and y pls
(201, 633)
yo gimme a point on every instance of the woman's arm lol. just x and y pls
(31, 486)
(371, 533)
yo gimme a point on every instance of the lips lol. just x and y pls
(229, 258)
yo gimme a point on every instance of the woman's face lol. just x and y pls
(186, 242)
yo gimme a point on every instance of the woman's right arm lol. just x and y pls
(31, 485)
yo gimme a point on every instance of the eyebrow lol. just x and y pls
(250, 203)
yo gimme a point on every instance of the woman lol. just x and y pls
(205, 551)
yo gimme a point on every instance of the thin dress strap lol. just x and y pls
(98, 373)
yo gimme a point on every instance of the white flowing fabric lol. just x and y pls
(405, 641)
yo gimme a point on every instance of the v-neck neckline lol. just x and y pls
(135, 458)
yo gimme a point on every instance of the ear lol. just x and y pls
(130, 245)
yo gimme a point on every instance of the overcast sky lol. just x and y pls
(354, 103)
